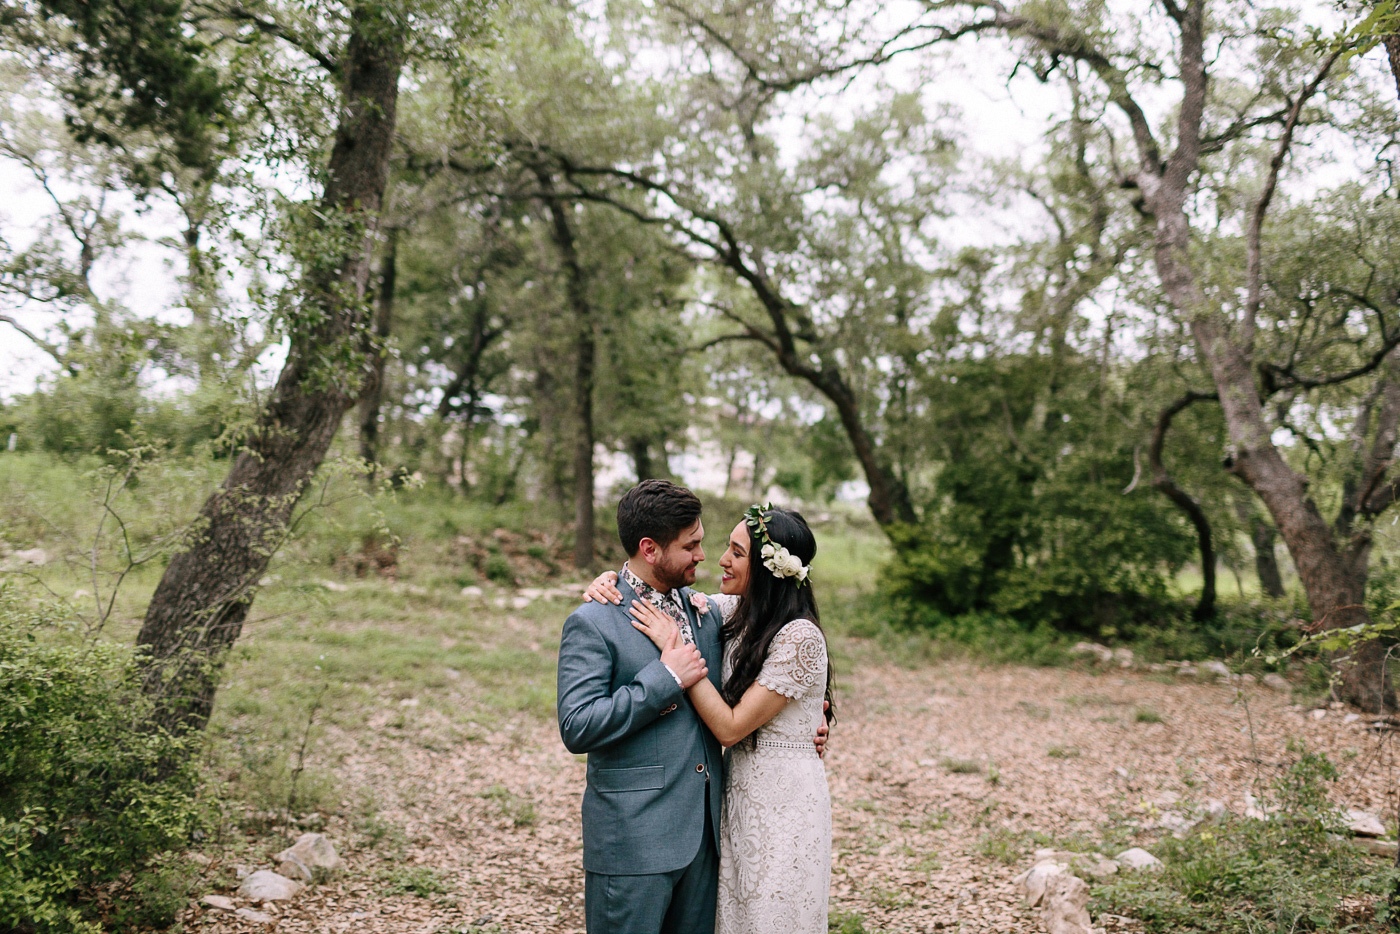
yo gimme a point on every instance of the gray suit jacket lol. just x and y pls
(644, 806)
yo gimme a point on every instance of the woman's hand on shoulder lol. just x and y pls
(603, 589)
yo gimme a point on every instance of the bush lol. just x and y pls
(88, 799)
(1066, 550)
(1288, 873)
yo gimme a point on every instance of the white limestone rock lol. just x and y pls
(1278, 682)
(1138, 859)
(1102, 654)
(315, 856)
(1364, 824)
(268, 886)
(221, 902)
(1383, 848)
(1033, 882)
(1065, 899)
(1216, 669)
(257, 917)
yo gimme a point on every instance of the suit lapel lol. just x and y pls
(706, 634)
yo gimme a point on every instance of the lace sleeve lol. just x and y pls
(796, 660)
(727, 603)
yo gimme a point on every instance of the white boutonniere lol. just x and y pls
(701, 604)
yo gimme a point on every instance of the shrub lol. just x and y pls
(88, 797)
(1064, 549)
(1241, 875)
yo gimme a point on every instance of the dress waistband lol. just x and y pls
(808, 747)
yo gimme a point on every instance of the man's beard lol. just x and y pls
(673, 578)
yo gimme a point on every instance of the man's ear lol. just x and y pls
(649, 551)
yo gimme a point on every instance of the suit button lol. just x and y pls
(700, 767)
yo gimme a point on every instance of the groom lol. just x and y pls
(651, 807)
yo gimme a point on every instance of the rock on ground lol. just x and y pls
(1102, 653)
(1033, 882)
(1215, 669)
(312, 858)
(267, 886)
(1138, 858)
(1065, 899)
(221, 902)
(258, 917)
(1364, 824)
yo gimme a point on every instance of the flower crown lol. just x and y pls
(776, 558)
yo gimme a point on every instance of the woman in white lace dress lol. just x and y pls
(775, 827)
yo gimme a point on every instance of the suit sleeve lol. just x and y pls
(591, 716)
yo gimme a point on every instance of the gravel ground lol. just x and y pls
(929, 770)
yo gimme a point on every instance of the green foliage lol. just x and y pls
(139, 67)
(1003, 846)
(423, 881)
(1033, 525)
(1238, 876)
(846, 922)
(89, 797)
(519, 809)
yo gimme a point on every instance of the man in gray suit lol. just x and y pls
(651, 807)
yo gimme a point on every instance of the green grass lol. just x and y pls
(423, 881)
(1239, 876)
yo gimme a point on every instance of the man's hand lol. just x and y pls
(603, 589)
(684, 659)
(822, 731)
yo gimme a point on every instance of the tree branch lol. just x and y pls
(53, 350)
(1254, 264)
(1162, 480)
(270, 27)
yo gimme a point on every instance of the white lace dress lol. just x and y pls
(775, 828)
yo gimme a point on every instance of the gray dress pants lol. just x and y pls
(679, 902)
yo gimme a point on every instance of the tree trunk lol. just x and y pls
(374, 382)
(1392, 49)
(640, 449)
(889, 499)
(1263, 537)
(1335, 594)
(576, 285)
(198, 608)
(1162, 480)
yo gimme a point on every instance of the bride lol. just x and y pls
(775, 825)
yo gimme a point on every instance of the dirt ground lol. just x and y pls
(928, 770)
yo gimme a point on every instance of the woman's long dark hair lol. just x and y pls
(771, 603)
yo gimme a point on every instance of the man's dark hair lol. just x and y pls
(655, 509)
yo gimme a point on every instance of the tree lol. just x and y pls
(131, 62)
(1214, 117)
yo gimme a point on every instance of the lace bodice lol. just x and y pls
(795, 668)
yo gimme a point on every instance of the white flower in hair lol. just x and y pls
(783, 563)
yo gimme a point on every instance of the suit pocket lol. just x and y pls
(649, 778)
